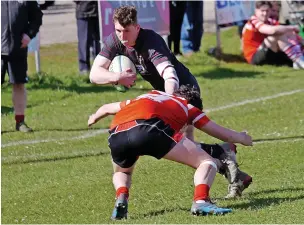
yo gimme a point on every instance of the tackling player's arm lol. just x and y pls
(104, 111)
(203, 123)
(168, 73)
(226, 134)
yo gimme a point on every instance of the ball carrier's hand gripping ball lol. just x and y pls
(119, 64)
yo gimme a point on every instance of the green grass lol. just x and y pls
(69, 181)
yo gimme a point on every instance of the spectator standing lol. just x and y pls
(192, 27)
(88, 33)
(20, 22)
(177, 11)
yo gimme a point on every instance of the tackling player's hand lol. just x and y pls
(91, 120)
(127, 78)
(245, 138)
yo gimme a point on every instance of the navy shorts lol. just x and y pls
(16, 68)
(140, 137)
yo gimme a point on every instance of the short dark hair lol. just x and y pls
(125, 15)
(191, 94)
(279, 3)
(259, 4)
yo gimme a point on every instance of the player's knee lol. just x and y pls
(209, 162)
(19, 87)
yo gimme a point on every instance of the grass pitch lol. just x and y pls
(61, 173)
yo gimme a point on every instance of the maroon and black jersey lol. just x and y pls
(149, 51)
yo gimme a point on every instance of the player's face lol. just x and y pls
(127, 35)
(263, 13)
(275, 11)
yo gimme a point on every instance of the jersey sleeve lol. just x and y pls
(196, 117)
(110, 47)
(158, 51)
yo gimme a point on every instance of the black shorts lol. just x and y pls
(140, 137)
(265, 56)
(16, 68)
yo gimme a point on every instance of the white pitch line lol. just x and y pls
(29, 142)
(254, 100)
(13, 159)
(296, 139)
(102, 131)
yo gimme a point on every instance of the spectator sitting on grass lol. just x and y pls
(267, 42)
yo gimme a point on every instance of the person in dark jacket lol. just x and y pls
(20, 22)
(88, 33)
(177, 11)
(192, 27)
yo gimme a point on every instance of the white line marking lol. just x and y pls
(29, 142)
(102, 131)
(11, 159)
(275, 141)
(255, 100)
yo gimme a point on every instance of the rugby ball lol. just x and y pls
(121, 63)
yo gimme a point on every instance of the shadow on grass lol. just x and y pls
(76, 84)
(257, 203)
(222, 73)
(231, 58)
(277, 190)
(278, 139)
(53, 158)
(161, 212)
(6, 110)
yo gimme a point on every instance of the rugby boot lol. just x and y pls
(204, 208)
(120, 208)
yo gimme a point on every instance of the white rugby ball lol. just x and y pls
(121, 63)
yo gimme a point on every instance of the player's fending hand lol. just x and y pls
(245, 138)
(127, 78)
(92, 120)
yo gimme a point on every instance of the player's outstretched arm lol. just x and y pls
(104, 111)
(226, 134)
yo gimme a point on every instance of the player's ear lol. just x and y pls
(137, 27)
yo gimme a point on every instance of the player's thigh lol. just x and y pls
(17, 70)
(123, 155)
(188, 153)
